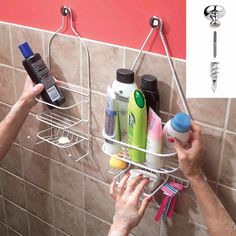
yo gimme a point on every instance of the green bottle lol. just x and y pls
(137, 125)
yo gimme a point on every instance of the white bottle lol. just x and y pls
(178, 127)
(123, 86)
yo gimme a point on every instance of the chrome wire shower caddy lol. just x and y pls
(68, 125)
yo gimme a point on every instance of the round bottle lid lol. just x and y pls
(181, 122)
(125, 76)
(139, 98)
(149, 82)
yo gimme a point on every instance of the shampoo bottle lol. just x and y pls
(149, 87)
(178, 127)
(39, 73)
(137, 125)
(123, 86)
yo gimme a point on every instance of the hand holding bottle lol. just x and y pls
(30, 92)
(190, 160)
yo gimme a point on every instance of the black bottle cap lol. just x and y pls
(149, 82)
(125, 76)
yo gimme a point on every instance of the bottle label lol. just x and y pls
(121, 98)
(53, 93)
(43, 73)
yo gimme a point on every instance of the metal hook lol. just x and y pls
(154, 22)
(65, 11)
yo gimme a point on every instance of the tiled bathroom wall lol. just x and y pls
(46, 193)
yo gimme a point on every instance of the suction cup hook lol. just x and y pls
(65, 10)
(154, 22)
(214, 13)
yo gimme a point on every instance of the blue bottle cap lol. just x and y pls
(25, 50)
(181, 122)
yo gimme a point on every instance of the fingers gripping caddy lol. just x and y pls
(214, 13)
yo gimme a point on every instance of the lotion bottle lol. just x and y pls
(123, 86)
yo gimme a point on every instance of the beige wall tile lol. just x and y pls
(187, 206)
(5, 46)
(67, 184)
(156, 66)
(39, 228)
(178, 226)
(39, 203)
(232, 116)
(12, 161)
(147, 226)
(3, 230)
(65, 57)
(208, 110)
(12, 185)
(68, 218)
(17, 218)
(2, 215)
(97, 165)
(12, 232)
(36, 169)
(102, 205)
(105, 60)
(96, 227)
(98, 114)
(211, 139)
(228, 172)
(20, 35)
(7, 93)
(60, 233)
(228, 198)
(177, 105)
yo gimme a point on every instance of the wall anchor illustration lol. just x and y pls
(214, 13)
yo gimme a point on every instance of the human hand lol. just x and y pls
(128, 213)
(30, 92)
(190, 160)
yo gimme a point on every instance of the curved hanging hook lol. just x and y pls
(157, 23)
(65, 11)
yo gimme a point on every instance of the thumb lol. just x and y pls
(178, 147)
(144, 205)
(36, 90)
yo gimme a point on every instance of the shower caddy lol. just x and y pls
(65, 130)
(170, 160)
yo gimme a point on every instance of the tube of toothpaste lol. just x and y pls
(112, 127)
(154, 140)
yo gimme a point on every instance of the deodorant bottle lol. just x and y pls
(123, 86)
(178, 127)
(149, 87)
(39, 73)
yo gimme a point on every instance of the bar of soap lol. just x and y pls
(64, 140)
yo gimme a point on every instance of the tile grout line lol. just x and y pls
(8, 227)
(93, 41)
(171, 93)
(11, 47)
(52, 197)
(223, 143)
